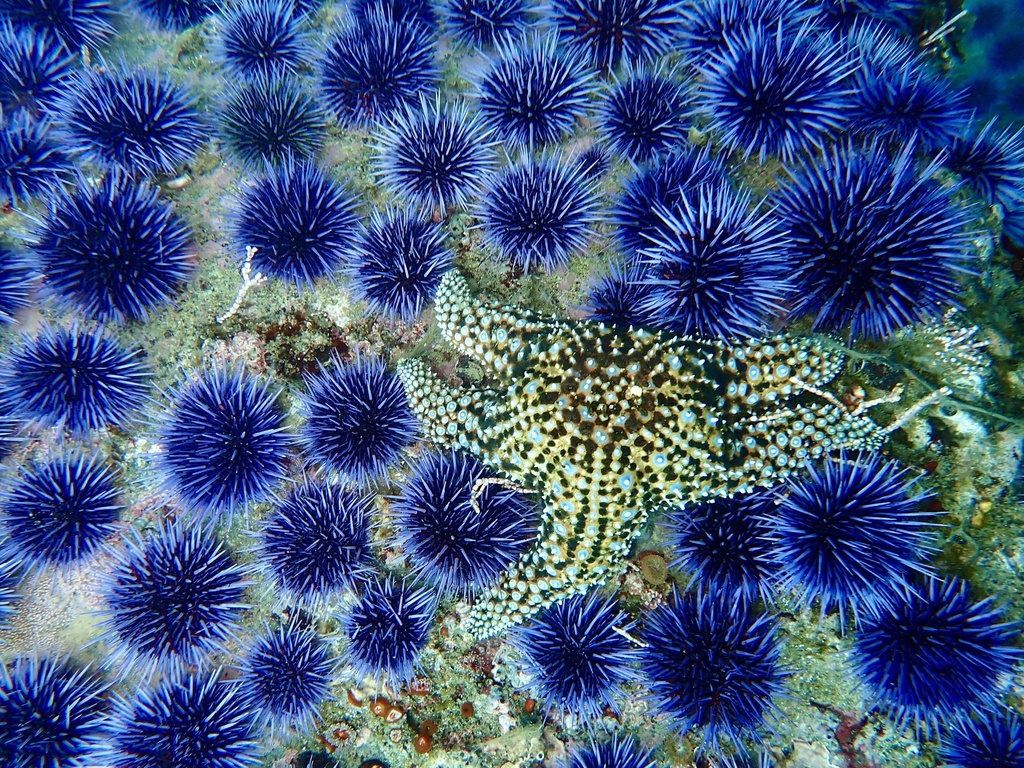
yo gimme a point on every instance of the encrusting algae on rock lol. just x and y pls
(611, 423)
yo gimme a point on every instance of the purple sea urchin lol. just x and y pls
(434, 157)
(134, 120)
(644, 114)
(177, 15)
(10, 578)
(770, 91)
(715, 268)
(612, 753)
(300, 221)
(315, 543)
(225, 442)
(539, 213)
(60, 511)
(269, 120)
(448, 541)
(387, 628)
(73, 379)
(617, 298)
(188, 721)
(724, 545)
(34, 70)
(577, 655)
(713, 666)
(850, 534)
(32, 163)
(286, 675)
(991, 163)
(875, 244)
(397, 263)
(52, 713)
(358, 420)
(76, 24)
(534, 92)
(17, 279)
(421, 12)
(262, 39)
(933, 654)
(113, 251)
(615, 31)
(173, 598)
(710, 26)
(992, 739)
(485, 23)
(376, 68)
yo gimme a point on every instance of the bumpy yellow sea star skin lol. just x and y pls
(609, 423)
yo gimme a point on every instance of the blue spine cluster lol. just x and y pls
(934, 654)
(485, 23)
(617, 298)
(176, 14)
(270, 119)
(60, 511)
(358, 420)
(32, 163)
(286, 674)
(397, 263)
(435, 156)
(301, 222)
(17, 283)
(172, 599)
(73, 379)
(644, 115)
(225, 442)
(449, 542)
(538, 214)
(10, 579)
(376, 68)
(579, 659)
(34, 70)
(708, 26)
(993, 739)
(52, 713)
(316, 544)
(133, 120)
(534, 92)
(262, 39)
(188, 720)
(387, 628)
(612, 753)
(113, 251)
(75, 23)
(991, 162)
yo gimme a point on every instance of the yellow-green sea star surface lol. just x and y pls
(609, 423)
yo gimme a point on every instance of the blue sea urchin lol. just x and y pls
(850, 534)
(775, 92)
(875, 244)
(397, 263)
(724, 545)
(485, 23)
(172, 599)
(644, 114)
(618, 297)
(34, 70)
(577, 655)
(300, 221)
(422, 12)
(387, 628)
(456, 545)
(435, 156)
(17, 282)
(992, 739)
(376, 68)
(358, 419)
(73, 379)
(286, 675)
(616, 31)
(113, 251)
(262, 39)
(32, 163)
(270, 119)
(991, 163)
(713, 665)
(76, 24)
(187, 721)
(661, 185)
(52, 713)
(134, 120)
(539, 213)
(10, 579)
(710, 26)
(715, 268)
(933, 654)
(315, 544)
(225, 442)
(176, 14)
(612, 753)
(534, 92)
(60, 511)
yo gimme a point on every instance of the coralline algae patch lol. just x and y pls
(312, 457)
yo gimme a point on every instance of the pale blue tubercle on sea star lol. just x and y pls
(607, 424)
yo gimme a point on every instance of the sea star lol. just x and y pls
(609, 423)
